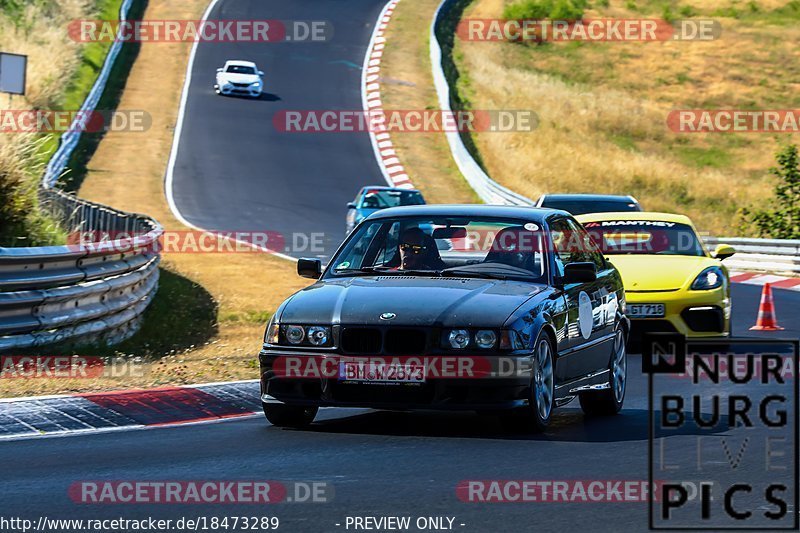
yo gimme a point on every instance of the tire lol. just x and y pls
(608, 402)
(290, 416)
(537, 414)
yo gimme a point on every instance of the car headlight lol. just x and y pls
(485, 339)
(319, 335)
(273, 333)
(256, 84)
(294, 334)
(708, 279)
(458, 338)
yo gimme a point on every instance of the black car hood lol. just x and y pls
(416, 301)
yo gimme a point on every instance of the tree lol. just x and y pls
(782, 221)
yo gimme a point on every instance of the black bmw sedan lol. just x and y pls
(507, 310)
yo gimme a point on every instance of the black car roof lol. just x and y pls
(606, 197)
(534, 214)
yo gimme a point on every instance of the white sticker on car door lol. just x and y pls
(585, 317)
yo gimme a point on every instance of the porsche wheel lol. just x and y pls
(292, 416)
(609, 401)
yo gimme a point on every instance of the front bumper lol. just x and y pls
(690, 313)
(506, 390)
(227, 89)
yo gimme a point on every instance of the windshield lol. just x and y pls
(645, 237)
(240, 69)
(581, 207)
(453, 246)
(382, 198)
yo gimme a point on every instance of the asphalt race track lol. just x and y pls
(235, 171)
(379, 463)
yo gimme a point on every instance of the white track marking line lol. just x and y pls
(173, 156)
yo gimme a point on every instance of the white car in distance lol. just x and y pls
(239, 77)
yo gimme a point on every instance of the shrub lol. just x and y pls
(783, 220)
(543, 9)
(21, 222)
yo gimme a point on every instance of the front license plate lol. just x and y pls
(645, 310)
(375, 372)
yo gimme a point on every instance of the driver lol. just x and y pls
(371, 201)
(418, 251)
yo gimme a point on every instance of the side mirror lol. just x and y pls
(723, 251)
(219, 70)
(309, 268)
(579, 272)
(260, 72)
(351, 205)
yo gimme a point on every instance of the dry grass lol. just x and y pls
(408, 84)
(38, 31)
(127, 171)
(603, 108)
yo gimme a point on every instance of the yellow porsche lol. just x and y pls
(672, 282)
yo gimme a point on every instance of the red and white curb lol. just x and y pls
(125, 410)
(776, 281)
(391, 167)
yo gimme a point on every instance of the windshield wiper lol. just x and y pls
(382, 270)
(472, 274)
(429, 273)
(363, 270)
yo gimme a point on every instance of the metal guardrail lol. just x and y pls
(485, 187)
(761, 255)
(92, 292)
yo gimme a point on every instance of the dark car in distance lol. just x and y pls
(504, 310)
(581, 204)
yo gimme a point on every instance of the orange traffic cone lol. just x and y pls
(766, 312)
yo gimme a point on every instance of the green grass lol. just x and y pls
(700, 157)
(81, 82)
(88, 143)
(624, 141)
(787, 14)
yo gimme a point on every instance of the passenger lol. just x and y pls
(517, 247)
